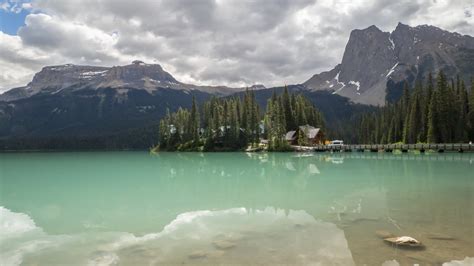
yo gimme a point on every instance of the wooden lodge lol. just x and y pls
(312, 136)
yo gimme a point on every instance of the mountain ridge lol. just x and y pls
(137, 75)
(375, 63)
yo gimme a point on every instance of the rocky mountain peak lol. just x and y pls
(368, 53)
(61, 76)
(402, 27)
(375, 64)
(137, 74)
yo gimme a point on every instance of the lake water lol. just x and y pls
(135, 208)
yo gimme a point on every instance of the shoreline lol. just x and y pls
(360, 148)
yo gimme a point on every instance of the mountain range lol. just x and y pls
(73, 100)
(137, 75)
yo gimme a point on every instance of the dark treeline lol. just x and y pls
(236, 123)
(133, 139)
(434, 111)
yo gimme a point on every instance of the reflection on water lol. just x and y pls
(132, 208)
(268, 236)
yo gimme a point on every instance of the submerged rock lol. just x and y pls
(223, 244)
(406, 241)
(137, 250)
(198, 254)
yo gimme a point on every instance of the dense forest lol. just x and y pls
(236, 123)
(132, 139)
(434, 111)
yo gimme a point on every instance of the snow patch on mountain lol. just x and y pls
(392, 69)
(339, 83)
(356, 83)
(391, 41)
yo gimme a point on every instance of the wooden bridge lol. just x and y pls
(451, 147)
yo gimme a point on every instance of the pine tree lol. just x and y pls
(194, 120)
(426, 106)
(443, 108)
(462, 112)
(471, 112)
(433, 132)
(415, 115)
(286, 102)
(406, 129)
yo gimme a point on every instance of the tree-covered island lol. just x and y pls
(237, 123)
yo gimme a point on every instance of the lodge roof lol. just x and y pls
(311, 132)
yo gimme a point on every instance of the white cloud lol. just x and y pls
(5, 6)
(15, 6)
(17, 62)
(218, 42)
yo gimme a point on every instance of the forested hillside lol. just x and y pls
(434, 111)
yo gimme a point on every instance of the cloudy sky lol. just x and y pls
(215, 42)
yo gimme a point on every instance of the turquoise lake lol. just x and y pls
(136, 208)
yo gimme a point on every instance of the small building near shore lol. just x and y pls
(311, 135)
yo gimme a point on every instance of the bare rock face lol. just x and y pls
(52, 79)
(66, 75)
(137, 74)
(369, 53)
(376, 64)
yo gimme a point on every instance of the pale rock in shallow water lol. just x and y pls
(404, 241)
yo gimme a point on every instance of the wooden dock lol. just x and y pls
(451, 147)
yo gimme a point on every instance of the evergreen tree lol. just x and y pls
(414, 123)
(462, 112)
(194, 121)
(442, 107)
(471, 112)
(432, 136)
(426, 106)
(286, 102)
